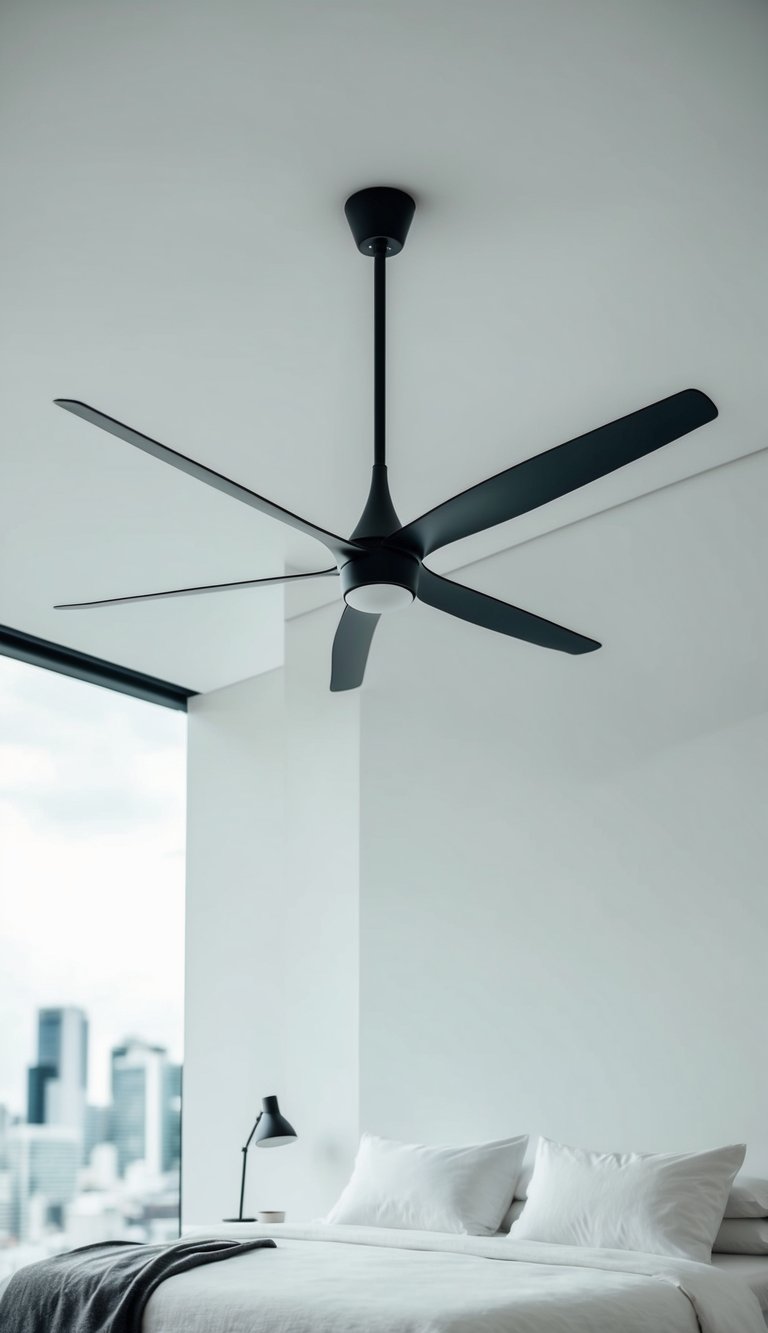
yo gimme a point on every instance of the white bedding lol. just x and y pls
(749, 1268)
(326, 1279)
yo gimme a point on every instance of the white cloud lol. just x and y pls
(24, 768)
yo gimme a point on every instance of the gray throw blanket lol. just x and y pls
(103, 1288)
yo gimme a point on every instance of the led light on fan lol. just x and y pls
(378, 598)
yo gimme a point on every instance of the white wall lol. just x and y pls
(564, 915)
(532, 886)
(272, 935)
(587, 961)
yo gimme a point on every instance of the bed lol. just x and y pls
(750, 1269)
(349, 1279)
(601, 1243)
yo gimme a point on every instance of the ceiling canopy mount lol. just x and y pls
(379, 219)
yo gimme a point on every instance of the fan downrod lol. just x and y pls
(380, 213)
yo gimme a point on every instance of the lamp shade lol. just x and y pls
(273, 1130)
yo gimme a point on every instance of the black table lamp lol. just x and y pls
(270, 1131)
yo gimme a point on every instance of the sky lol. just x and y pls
(92, 829)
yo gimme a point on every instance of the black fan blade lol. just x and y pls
(339, 547)
(554, 473)
(350, 648)
(490, 613)
(192, 592)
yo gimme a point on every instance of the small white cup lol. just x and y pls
(271, 1217)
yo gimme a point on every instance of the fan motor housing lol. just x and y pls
(381, 565)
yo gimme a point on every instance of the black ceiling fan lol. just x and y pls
(381, 565)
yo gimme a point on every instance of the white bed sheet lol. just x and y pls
(749, 1268)
(324, 1279)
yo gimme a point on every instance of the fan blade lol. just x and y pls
(554, 473)
(192, 592)
(489, 613)
(339, 547)
(350, 648)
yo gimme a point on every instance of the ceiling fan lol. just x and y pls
(381, 566)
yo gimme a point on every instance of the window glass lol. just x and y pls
(92, 796)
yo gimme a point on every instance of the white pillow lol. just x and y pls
(748, 1198)
(409, 1186)
(665, 1203)
(523, 1181)
(748, 1195)
(742, 1235)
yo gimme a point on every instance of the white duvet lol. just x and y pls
(344, 1279)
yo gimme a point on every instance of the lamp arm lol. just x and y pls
(245, 1163)
(253, 1131)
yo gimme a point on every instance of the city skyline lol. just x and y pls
(71, 1172)
(92, 827)
(52, 1108)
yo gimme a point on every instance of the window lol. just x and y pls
(92, 793)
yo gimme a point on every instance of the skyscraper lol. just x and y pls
(57, 1083)
(98, 1128)
(5, 1124)
(6, 1180)
(38, 1078)
(6, 1203)
(172, 1118)
(43, 1161)
(139, 1092)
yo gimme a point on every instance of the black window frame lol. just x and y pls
(96, 670)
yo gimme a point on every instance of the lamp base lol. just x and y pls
(238, 1219)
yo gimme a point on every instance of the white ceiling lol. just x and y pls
(590, 236)
(674, 587)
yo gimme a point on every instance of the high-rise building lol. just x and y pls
(43, 1162)
(6, 1203)
(38, 1078)
(98, 1128)
(172, 1118)
(6, 1179)
(5, 1124)
(139, 1083)
(57, 1083)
